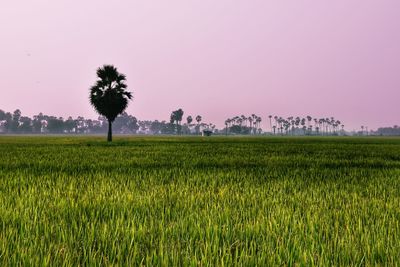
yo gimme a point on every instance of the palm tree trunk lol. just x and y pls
(109, 136)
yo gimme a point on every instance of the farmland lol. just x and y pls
(69, 201)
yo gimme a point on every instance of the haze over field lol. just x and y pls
(214, 58)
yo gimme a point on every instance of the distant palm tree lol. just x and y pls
(250, 119)
(276, 124)
(292, 123)
(280, 121)
(240, 121)
(316, 125)
(189, 120)
(229, 121)
(198, 120)
(270, 121)
(235, 120)
(297, 122)
(226, 126)
(322, 125)
(286, 125)
(109, 96)
(244, 119)
(176, 116)
(327, 125)
(303, 124)
(309, 119)
(258, 122)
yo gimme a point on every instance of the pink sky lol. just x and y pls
(217, 58)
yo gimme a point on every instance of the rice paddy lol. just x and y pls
(192, 201)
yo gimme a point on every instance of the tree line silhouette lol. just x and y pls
(243, 125)
(386, 131)
(15, 122)
(305, 126)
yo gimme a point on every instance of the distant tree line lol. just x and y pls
(284, 126)
(16, 123)
(190, 126)
(243, 125)
(388, 131)
(305, 126)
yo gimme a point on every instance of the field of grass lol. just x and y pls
(70, 201)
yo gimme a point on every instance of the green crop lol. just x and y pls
(191, 201)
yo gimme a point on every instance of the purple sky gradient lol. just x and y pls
(217, 58)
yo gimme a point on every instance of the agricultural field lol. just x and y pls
(193, 201)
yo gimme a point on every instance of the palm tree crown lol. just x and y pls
(109, 96)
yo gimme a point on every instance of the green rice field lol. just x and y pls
(193, 201)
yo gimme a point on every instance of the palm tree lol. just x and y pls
(327, 125)
(176, 117)
(270, 121)
(189, 120)
(316, 125)
(303, 124)
(276, 124)
(322, 125)
(254, 117)
(297, 122)
(250, 119)
(309, 119)
(179, 117)
(198, 119)
(286, 125)
(244, 119)
(258, 121)
(109, 96)
(172, 117)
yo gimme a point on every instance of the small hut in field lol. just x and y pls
(206, 132)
